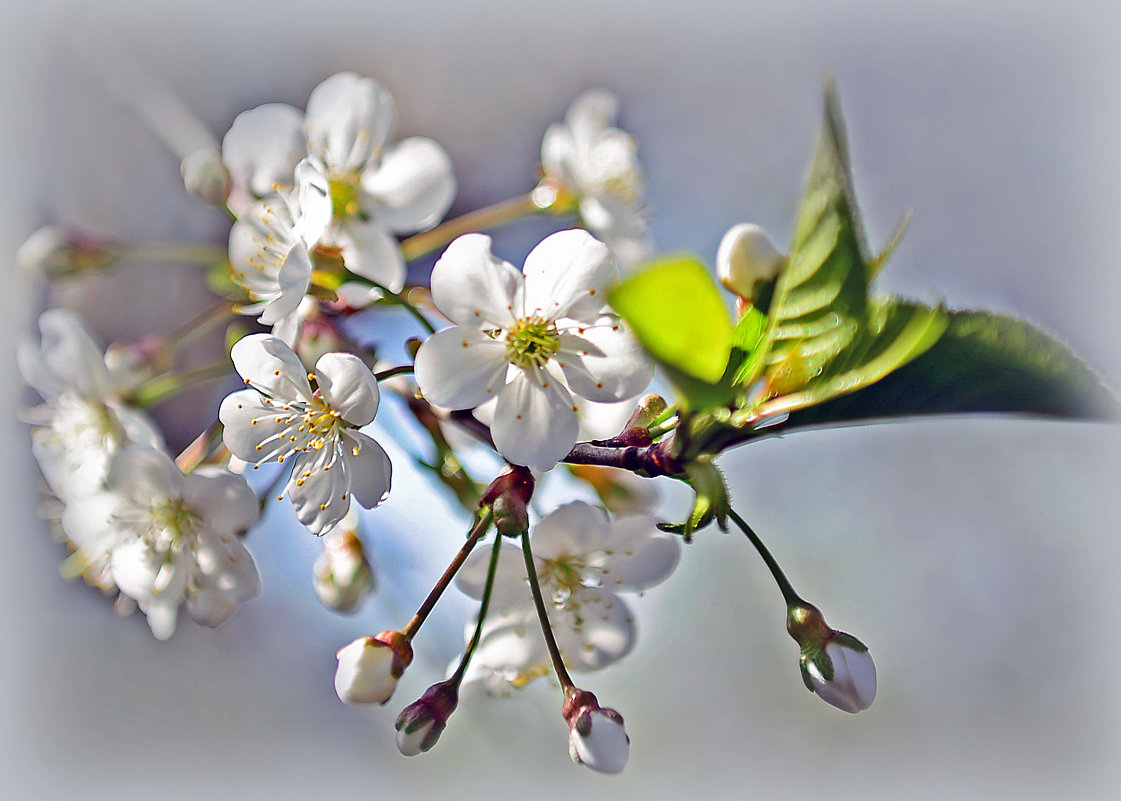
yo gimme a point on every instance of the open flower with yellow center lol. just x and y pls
(169, 538)
(531, 341)
(377, 188)
(597, 163)
(282, 418)
(582, 561)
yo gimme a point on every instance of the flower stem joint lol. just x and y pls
(421, 723)
(370, 666)
(835, 665)
(596, 737)
(508, 496)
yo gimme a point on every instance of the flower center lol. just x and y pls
(320, 423)
(173, 517)
(531, 342)
(563, 576)
(345, 193)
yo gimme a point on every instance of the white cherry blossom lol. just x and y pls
(282, 418)
(377, 188)
(169, 538)
(342, 575)
(531, 341)
(84, 420)
(582, 560)
(598, 163)
(270, 251)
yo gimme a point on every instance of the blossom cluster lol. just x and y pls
(520, 362)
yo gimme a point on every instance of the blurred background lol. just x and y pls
(974, 556)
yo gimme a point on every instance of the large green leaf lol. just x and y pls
(982, 363)
(679, 315)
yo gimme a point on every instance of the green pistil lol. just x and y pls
(173, 516)
(531, 342)
(345, 194)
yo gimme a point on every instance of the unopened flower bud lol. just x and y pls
(55, 252)
(342, 575)
(596, 736)
(318, 335)
(370, 666)
(508, 496)
(745, 257)
(421, 723)
(835, 665)
(132, 363)
(206, 177)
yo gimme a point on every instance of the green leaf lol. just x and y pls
(894, 334)
(747, 356)
(984, 362)
(820, 302)
(678, 314)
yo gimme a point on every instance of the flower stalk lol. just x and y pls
(484, 219)
(566, 683)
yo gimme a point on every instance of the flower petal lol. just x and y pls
(568, 275)
(310, 201)
(594, 629)
(371, 251)
(472, 287)
(263, 145)
(510, 587)
(347, 117)
(144, 476)
(413, 184)
(368, 467)
(459, 368)
(573, 529)
(69, 353)
(604, 362)
(319, 489)
(292, 282)
(250, 428)
(348, 387)
(222, 501)
(535, 423)
(640, 556)
(270, 366)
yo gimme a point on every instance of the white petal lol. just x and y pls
(248, 422)
(310, 200)
(70, 353)
(348, 387)
(365, 672)
(371, 251)
(639, 556)
(604, 748)
(223, 501)
(368, 468)
(474, 288)
(510, 587)
(590, 115)
(263, 145)
(574, 529)
(535, 423)
(270, 366)
(557, 152)
(139, 428)
(319, 489)
(413, 184)
(89, 523)
(292, 282)
(595, 629)
(460, 368)
(347, 117)
(604, 362)
(144, 476)
(568, 275)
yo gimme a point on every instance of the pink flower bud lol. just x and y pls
(422, 722)
(370, 666)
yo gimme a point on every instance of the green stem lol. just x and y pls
(789, 595)
(565, 680)
(187, 333)
(484, 607)
(172, 254)
(404, 369)
(405, 303)
(166, 385)
(482, 525)
(480, 220)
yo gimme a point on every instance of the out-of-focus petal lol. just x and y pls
(413, 184)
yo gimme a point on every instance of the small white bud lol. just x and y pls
(853, 685)
(597, 739)
(55, 252)
(370, 666)
(342, 575)
(421, 723)
(206, 177)
(746, 255)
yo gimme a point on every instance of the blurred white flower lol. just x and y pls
(169, 538)
(377, 189)
(342, 575)
(281, 418)
(205, 176)
(529, 340)
(582, 560)
(84, 421)
(598, 163)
